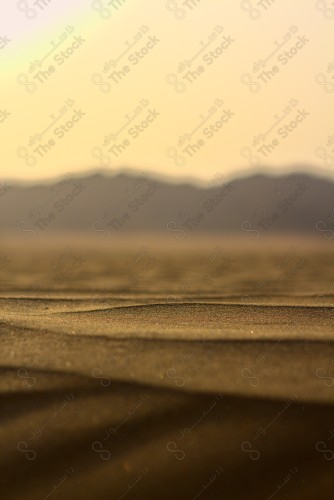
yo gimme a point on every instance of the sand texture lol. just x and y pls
(154, 372)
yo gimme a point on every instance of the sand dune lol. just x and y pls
(212, 390)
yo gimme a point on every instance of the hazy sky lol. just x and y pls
(183, 88)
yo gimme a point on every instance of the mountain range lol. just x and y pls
(257, 204)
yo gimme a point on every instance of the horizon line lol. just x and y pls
(263, 170)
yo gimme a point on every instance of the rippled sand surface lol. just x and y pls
(143, 369)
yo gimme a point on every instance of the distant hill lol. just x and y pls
(260, 203)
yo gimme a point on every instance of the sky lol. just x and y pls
(186, 89)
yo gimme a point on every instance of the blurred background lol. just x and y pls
(150, 129)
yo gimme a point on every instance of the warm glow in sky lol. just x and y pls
(183, 88)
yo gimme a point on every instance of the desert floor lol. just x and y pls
(155, 368)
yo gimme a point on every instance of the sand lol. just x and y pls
(143, 369)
